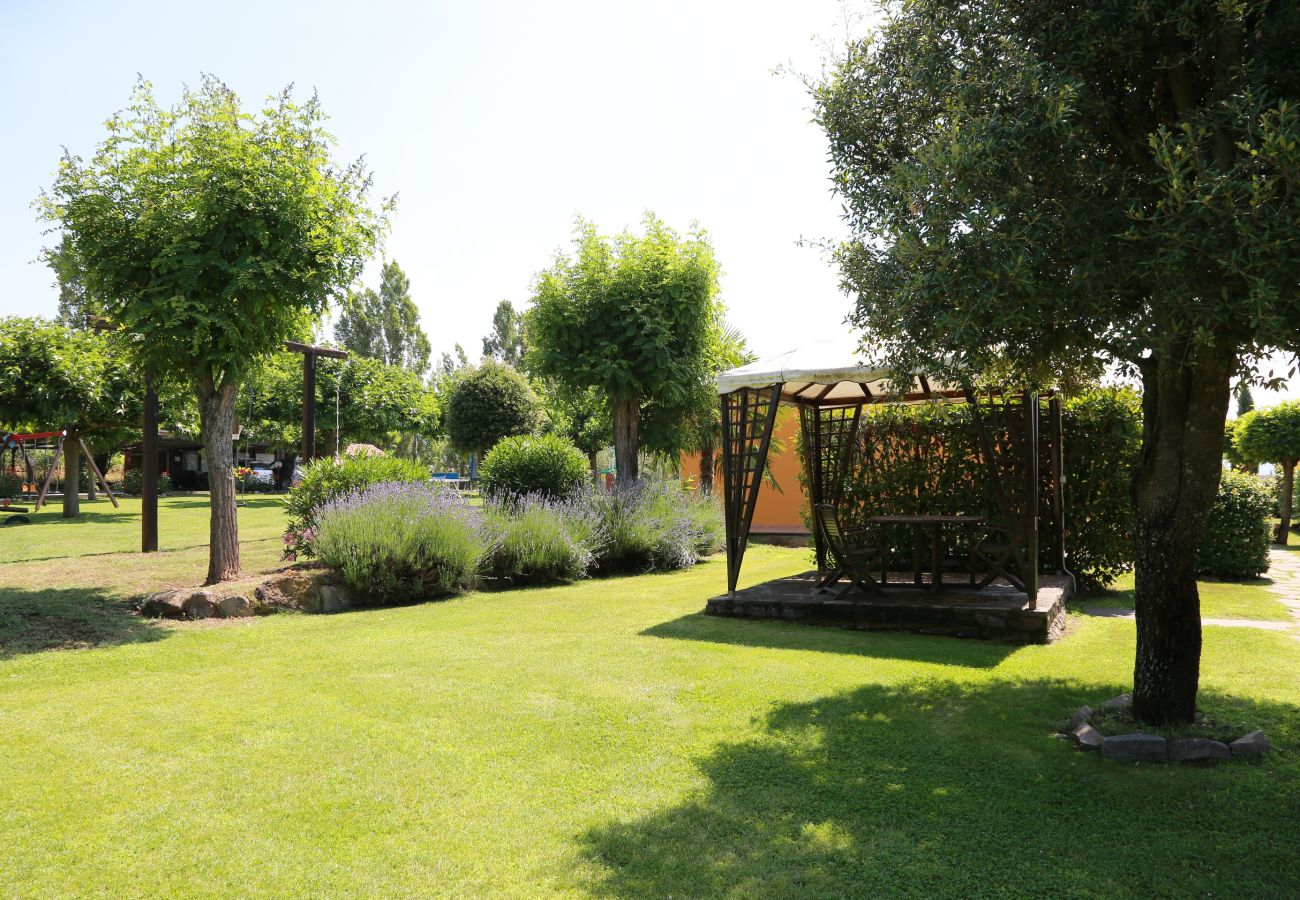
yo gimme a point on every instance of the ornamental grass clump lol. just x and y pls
(536, 539)
(400, 542)
(654, 524)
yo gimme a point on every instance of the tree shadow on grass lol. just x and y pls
(826, 639)
(68, 619)
(944, 789)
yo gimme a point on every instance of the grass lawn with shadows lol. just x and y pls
(1219, 599)
(603, 739)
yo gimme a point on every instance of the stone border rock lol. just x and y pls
(313, 590)
(1141, 747)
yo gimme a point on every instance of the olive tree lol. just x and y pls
(1035, 192)
(213, 234)
(1273, 435)
(632, 318)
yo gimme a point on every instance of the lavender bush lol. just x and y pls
(401, 542)
(537, 539)
(654, 524)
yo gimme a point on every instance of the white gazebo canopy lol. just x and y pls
(832, 373)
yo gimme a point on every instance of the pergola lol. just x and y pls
(831, 388)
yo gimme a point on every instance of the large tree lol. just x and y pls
(53, 377)
(506, 342)
(213, 235)
(385, 324)
(1034, 190)
(1273, 435)
(632, 318)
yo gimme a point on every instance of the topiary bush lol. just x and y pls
(489, 403)
(548, 465)
(324, 480)
(398, 542)
(1237, 534)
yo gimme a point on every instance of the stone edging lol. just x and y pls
(1140, 747)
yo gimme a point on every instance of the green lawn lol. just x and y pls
(1219, 599)
(604, 739)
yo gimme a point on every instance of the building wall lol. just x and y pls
(778, 512)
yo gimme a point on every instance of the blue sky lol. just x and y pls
(496, 123)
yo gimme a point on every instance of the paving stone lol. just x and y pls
(1135, 748)
(1192, 749)
(1250, 746)
(1086, 737)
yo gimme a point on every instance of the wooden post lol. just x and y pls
(1058, 481)
(149, 471)
(1030, 409)
(94, 469)
(309, 354)
(45, 485)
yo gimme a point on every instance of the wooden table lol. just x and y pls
(935, 524)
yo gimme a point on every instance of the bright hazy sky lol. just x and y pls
(496, 123)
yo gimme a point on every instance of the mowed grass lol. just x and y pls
(605, 739)
(1252, 599)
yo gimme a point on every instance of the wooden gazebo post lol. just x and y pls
(748, 416)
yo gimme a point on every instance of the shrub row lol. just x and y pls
(396, 541)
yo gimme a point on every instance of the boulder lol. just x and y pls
(1082, 714)
(1122, 703)
(333, 598)
(200, 605)
(235, 607)
(1194, 749)
(286, 590)
(1086, 737)
(1135, 748)
(1250, 746)
(165, 604)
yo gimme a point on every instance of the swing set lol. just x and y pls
(19, 443)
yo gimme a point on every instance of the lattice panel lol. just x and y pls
(747, 419)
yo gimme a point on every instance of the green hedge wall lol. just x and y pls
(1237, 534)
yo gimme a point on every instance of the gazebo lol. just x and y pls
(1022, 480)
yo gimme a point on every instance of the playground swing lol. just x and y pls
(57, 441)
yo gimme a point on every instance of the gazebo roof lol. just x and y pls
(831, 373)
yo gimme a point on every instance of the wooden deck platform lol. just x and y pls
(999, 612)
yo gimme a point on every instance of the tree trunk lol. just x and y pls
(1184, 406)
(217, 418)
(1288, 485)
(595, 467)
(706, 468)
(71, 475)
(626, 415)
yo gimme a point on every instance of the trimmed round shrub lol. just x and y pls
(1237, 533)
(324, 480)
(548, 466)
(490, 403)
(401, 542)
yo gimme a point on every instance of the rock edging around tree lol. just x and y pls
(1139, 746)
(310, 590)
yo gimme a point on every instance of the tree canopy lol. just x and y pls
(1036, 193)
(631, 317)
(487, 403)
(1272, 435)
(212, 235)
(385, 324)
(506, 341)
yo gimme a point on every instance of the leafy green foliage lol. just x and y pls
(10, 485)
(1269, 435)
(545, 465)
(53, 377)
(324, 480)
(654, 525)
(506, 342)
(133, 481)
(633, 318)
(385, 324)
(214, 234)
(535, 541)
(488, 403)
(1236, 537)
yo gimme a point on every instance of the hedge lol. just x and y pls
(547, 465)
(1237, 533)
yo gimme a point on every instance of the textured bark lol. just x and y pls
(626, 415)
(706, 469)
(71, 476)
(1288, 486)
(1185, 404)
(217, 417)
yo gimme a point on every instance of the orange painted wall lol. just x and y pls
(777, 512)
